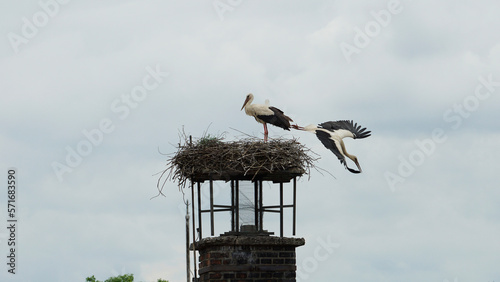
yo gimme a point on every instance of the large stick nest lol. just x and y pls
(208, 158)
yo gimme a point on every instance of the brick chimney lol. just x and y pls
(247, 258)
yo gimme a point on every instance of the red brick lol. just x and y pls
(215, 262)
(241, 275)
(215, 275)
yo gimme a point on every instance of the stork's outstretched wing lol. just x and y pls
(346, 128)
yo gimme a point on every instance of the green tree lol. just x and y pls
(121, 278)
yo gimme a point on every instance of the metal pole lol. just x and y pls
(237, 193)
(281, 209)
(256, 203)
(294, 203)
(194, 228)
(199, 211)
(261, 210)
(188, 270)
(232, 206)
(212, 207)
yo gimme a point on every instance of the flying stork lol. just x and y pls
(331, 133)
(266, 114)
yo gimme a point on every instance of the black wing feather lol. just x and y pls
(353, 127)
(279, 119)
(324, 137)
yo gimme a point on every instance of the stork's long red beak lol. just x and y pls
(295, 126)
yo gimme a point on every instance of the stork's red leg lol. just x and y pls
(265, 132)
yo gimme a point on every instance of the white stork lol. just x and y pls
(331, 133)
(266, 114)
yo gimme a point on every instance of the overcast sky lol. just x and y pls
(93, 91)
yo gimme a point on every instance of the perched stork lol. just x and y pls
(331, 133)
(266, 114)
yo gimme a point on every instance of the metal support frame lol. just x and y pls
(256, 203)
(237, 206)
(280, 208)
(212, 208)
(194, 228)
(294, 225)
(200, 234)
(261, 210)
(233, 207)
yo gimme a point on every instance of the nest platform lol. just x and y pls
(277, 160)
